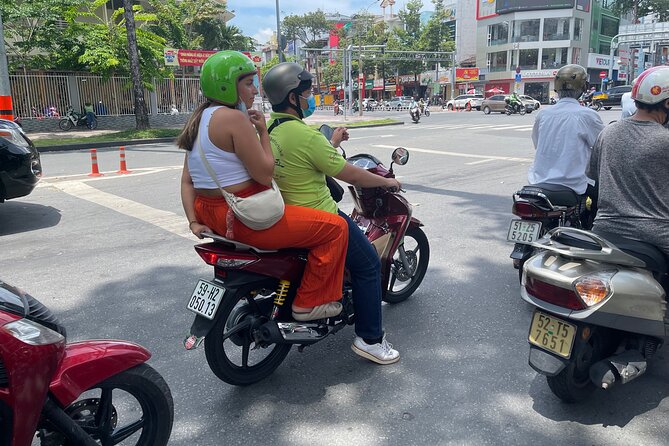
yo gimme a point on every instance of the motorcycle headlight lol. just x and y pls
(594, 288)
(32, 333)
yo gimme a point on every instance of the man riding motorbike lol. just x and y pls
(630, 162)
(563, 135)
(303, 158)
(515, 103)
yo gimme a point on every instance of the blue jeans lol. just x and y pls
(364, 267)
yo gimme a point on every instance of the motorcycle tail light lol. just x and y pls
(33, 333)
(527, 210)
(553, 294)
(594, 288)
(225, 260)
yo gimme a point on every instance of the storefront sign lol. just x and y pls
(538, 74)
(195, 58)
(601, 61)
(466, 74)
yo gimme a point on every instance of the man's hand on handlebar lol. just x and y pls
(392, 185)
(340, 134)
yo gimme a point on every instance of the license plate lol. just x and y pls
(552, 334)
(205, 299)
(523, 231)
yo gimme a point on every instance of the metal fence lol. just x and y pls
(48, 95)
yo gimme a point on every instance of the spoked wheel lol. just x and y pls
(232, 353)
(65, 124)
(573, 383)
(427, 112)
(134, 407)
(403, 282)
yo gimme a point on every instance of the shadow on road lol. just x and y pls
(17, 217)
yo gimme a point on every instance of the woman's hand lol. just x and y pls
(258, 120)
(197, 229)
(340, 134)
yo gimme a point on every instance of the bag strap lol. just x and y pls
(277, 122)
(212, 174)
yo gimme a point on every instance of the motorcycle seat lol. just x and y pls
(239, 246)
(654, 259)
(557, 194)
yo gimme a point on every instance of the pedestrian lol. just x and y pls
(90, 115)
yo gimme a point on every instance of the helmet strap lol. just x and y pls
(297, 107)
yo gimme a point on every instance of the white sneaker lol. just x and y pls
(382, 353)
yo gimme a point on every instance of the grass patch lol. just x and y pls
(357, 123)
(110, 137)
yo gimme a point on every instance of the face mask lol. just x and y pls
(311, 102)
(241, 106)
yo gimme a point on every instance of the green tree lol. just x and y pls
(185, 23)
(641, 8)
(219, 36)
(141, 110)
(408, 39)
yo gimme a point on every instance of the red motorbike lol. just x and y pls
(84, 393)
(244, 312)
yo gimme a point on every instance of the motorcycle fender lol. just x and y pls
(545, 363)
(415, 223)
(521, 251)
(88, 363)
(201, 326)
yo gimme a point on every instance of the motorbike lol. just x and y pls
(245, 311)
(425, 110)
(542, 207)
(513, 109)
(600, 310)
(74, 119)
(415, 113)
(338, 110)
(80, 393)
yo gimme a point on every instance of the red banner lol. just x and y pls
(193, 58)
(466, 74)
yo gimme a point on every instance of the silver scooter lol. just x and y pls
(601, 309)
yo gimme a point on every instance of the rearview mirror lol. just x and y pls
(327, 131)
(400, 156)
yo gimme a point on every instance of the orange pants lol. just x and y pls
(323, 233)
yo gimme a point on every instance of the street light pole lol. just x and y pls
(278, 35)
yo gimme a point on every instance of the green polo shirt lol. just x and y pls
(303, 156)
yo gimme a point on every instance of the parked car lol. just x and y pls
(530, 100)
(465, 101)
(497, 103)
(369, 102)
(398, 102)
(613, 95)
(20, 166)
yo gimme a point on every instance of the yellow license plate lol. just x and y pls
(552, 334)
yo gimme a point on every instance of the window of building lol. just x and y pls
(553, 57)
(556, 29)
(499, 33)
(609, 26)
(497, 61)
(578, 29)
(576, 55)
(604, 47)
(528, 59)
(526, 30)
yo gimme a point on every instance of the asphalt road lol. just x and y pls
(113, 258)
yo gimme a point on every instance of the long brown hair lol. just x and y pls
(186, 138)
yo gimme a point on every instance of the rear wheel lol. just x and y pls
(573, 383)
(403, 282)
(598, 106)
(486, 110)
(450, 107)
(522, 110)
(65, 124)
(237, 359)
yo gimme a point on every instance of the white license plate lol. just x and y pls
(523, 231)
(205, 299)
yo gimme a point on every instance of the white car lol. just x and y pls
(465, 102)
(530, 100)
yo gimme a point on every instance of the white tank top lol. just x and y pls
(227, 165)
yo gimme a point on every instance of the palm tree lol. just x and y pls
(218, 35)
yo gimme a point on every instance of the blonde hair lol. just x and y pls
(186, 138)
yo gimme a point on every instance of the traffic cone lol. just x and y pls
(95, 172)
(123, 169)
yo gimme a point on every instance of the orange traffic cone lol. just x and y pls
(95, 172)
(123, 169)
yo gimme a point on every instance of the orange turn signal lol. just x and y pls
(595, 288)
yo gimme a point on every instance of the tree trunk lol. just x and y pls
(141, 112)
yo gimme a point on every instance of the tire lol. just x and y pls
(598, 106)
(397, 270)
(217, 350)
(486, 110)
(508, 111)
(65, 124)
(573, 383)
(427, 113)
(450, 107)
(607, 108)
(140, 387)
(93, 125)
(522, 110)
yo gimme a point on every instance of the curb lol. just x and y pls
(137, 142)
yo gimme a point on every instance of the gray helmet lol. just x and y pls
(281, 79)
(571, 77)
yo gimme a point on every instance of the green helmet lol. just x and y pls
(220, 73)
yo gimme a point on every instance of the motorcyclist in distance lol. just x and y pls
(563, 135)
(515, 102)
(630, 162)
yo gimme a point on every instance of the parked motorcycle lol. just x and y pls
(600, 312)
(245, 311)
(74, 119)
(415, 113)
(78, 393)
(542, 207)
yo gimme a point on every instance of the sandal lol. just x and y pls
(324, 311)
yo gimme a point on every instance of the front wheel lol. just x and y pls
(134, 407)
(450, 107)
(65, 124)
(486, 110)
(237, 359)
(522, 110)
(416, 251)
(598, 106)
(427, 112)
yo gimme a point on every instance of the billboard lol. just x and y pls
(466, 74)
(506, 6)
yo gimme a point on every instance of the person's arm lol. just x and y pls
(188, 202)
(362, 178)
(535, 131)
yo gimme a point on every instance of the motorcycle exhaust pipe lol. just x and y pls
(304, 333)
(621, 368)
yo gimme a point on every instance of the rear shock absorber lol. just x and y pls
(280, 297)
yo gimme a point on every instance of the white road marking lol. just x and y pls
(464, 155)
(480, 162)
(371, 136)
(523, 130)
(108, 175)
(506, 127)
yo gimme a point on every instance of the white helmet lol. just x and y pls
(652, 86)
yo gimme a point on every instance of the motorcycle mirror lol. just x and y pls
(400, 156)
(327, 131)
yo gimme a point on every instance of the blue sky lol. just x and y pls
(257, 18)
